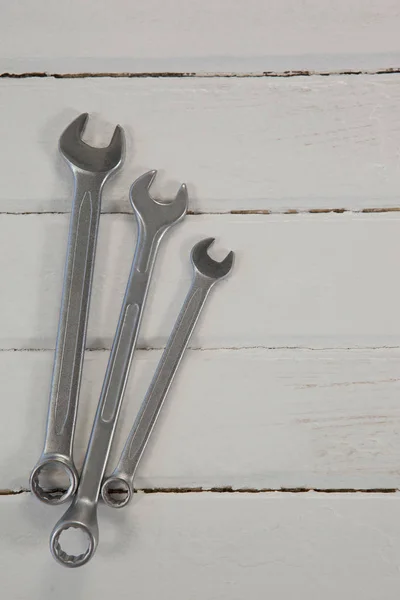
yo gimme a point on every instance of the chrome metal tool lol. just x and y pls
(154, 219)
(91, 168)
(206, 272)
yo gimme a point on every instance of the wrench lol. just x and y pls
(154, 218)
(91, 168)
(206, 272)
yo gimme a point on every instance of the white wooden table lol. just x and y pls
(274, 467)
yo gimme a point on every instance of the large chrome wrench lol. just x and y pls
(154, 219)
(91, 168)
(206, 272)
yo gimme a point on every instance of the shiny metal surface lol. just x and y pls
(91, 168)
(154, 219)
(206, 272)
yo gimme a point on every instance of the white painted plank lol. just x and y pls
(240, 144)
(299, 280)
(200, 35)
(247, 419)
(222, 546)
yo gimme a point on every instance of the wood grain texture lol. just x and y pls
(319, 281)
(292, 379)
(213, 546)
(199, 36)
(239, 144)
(246, 419)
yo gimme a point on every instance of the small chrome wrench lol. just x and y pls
(154, 219)
(91, 168)
(206, 272)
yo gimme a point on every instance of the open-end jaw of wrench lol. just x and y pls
(91, 168)
(206, 273)
(154, 218)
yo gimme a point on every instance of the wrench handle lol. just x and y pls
(118, 367)
(72, 328)
(162, 379)
(153, 219)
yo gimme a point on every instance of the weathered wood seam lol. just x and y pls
(311, 211)
(190, 74)
(231, 490)
(226, 348)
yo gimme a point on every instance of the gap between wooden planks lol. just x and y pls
(230, 490)
(311, 211)
(176, 75)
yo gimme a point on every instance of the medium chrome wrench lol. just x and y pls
(206, 272)
(91, 168)
(154, 219)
